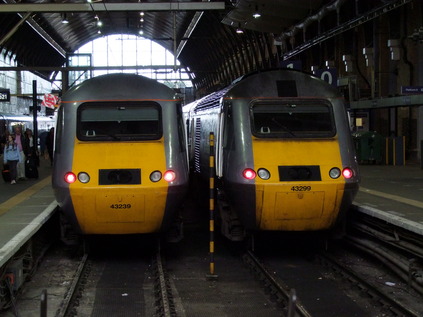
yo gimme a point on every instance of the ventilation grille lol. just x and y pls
(119, 177)
(299, 173)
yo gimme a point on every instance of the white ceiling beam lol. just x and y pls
(110, 7)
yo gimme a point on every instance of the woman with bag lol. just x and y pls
(12, 156)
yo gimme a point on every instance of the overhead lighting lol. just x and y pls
(65, 18)
(239, 30)
(140, 32)
(99, 23)
(256, 13)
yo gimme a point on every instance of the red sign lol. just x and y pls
(50, 101)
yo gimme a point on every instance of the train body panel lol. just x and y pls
(290, 126)
(94, 211)
(8, 121)
(125, 141)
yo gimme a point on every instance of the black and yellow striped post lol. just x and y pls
(211, 274)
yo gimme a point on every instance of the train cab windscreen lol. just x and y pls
(122, 121)
(293, 120)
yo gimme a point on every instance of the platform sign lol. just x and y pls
(291, 64)
(412, 90)
(329, 75)
(4, 95)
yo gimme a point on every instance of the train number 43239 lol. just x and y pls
(120, 206)
(301, 188)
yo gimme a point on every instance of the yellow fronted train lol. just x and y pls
(120, 163)
(284, 157)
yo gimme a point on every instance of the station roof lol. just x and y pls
(202, 34)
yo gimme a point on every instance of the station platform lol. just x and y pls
(24, 208)
(393, 194)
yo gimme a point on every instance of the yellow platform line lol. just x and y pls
(12, 202)
(407, 201)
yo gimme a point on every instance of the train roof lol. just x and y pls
(281, 83)
(119, 87)
(274, 83)
(11, 116)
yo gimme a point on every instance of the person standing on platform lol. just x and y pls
(31, 155)
(30, 146)
(19, 140)
(3, 140)
(43, 137)
(12, 156)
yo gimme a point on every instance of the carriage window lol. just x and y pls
(302, 119)
(111, 121)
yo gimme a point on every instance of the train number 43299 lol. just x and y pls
(120, 206)
(301, 188)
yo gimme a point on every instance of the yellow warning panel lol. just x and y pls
(299, 205)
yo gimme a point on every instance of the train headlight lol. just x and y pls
(249, 173)
(155, 176)
(70, 177)
(263, 173)
(347, 173)
(335, 173)
(83, 177)
(169, 176)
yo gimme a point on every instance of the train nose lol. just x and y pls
(119, 177)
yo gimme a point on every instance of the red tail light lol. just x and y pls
(249, 173)
(70, 177)
(169, 176)
(347, 173)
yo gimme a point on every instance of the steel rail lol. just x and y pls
(397, 248)
(294, 307)
(164, 303)
(70, 294)
(372, 290)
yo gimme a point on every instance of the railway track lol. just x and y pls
(163, 300)
(289, 299)
(147, 278)
(376, 255)
(75, 282)
(163, 290)
(397, 248)
(69, 300)
(383, 298)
